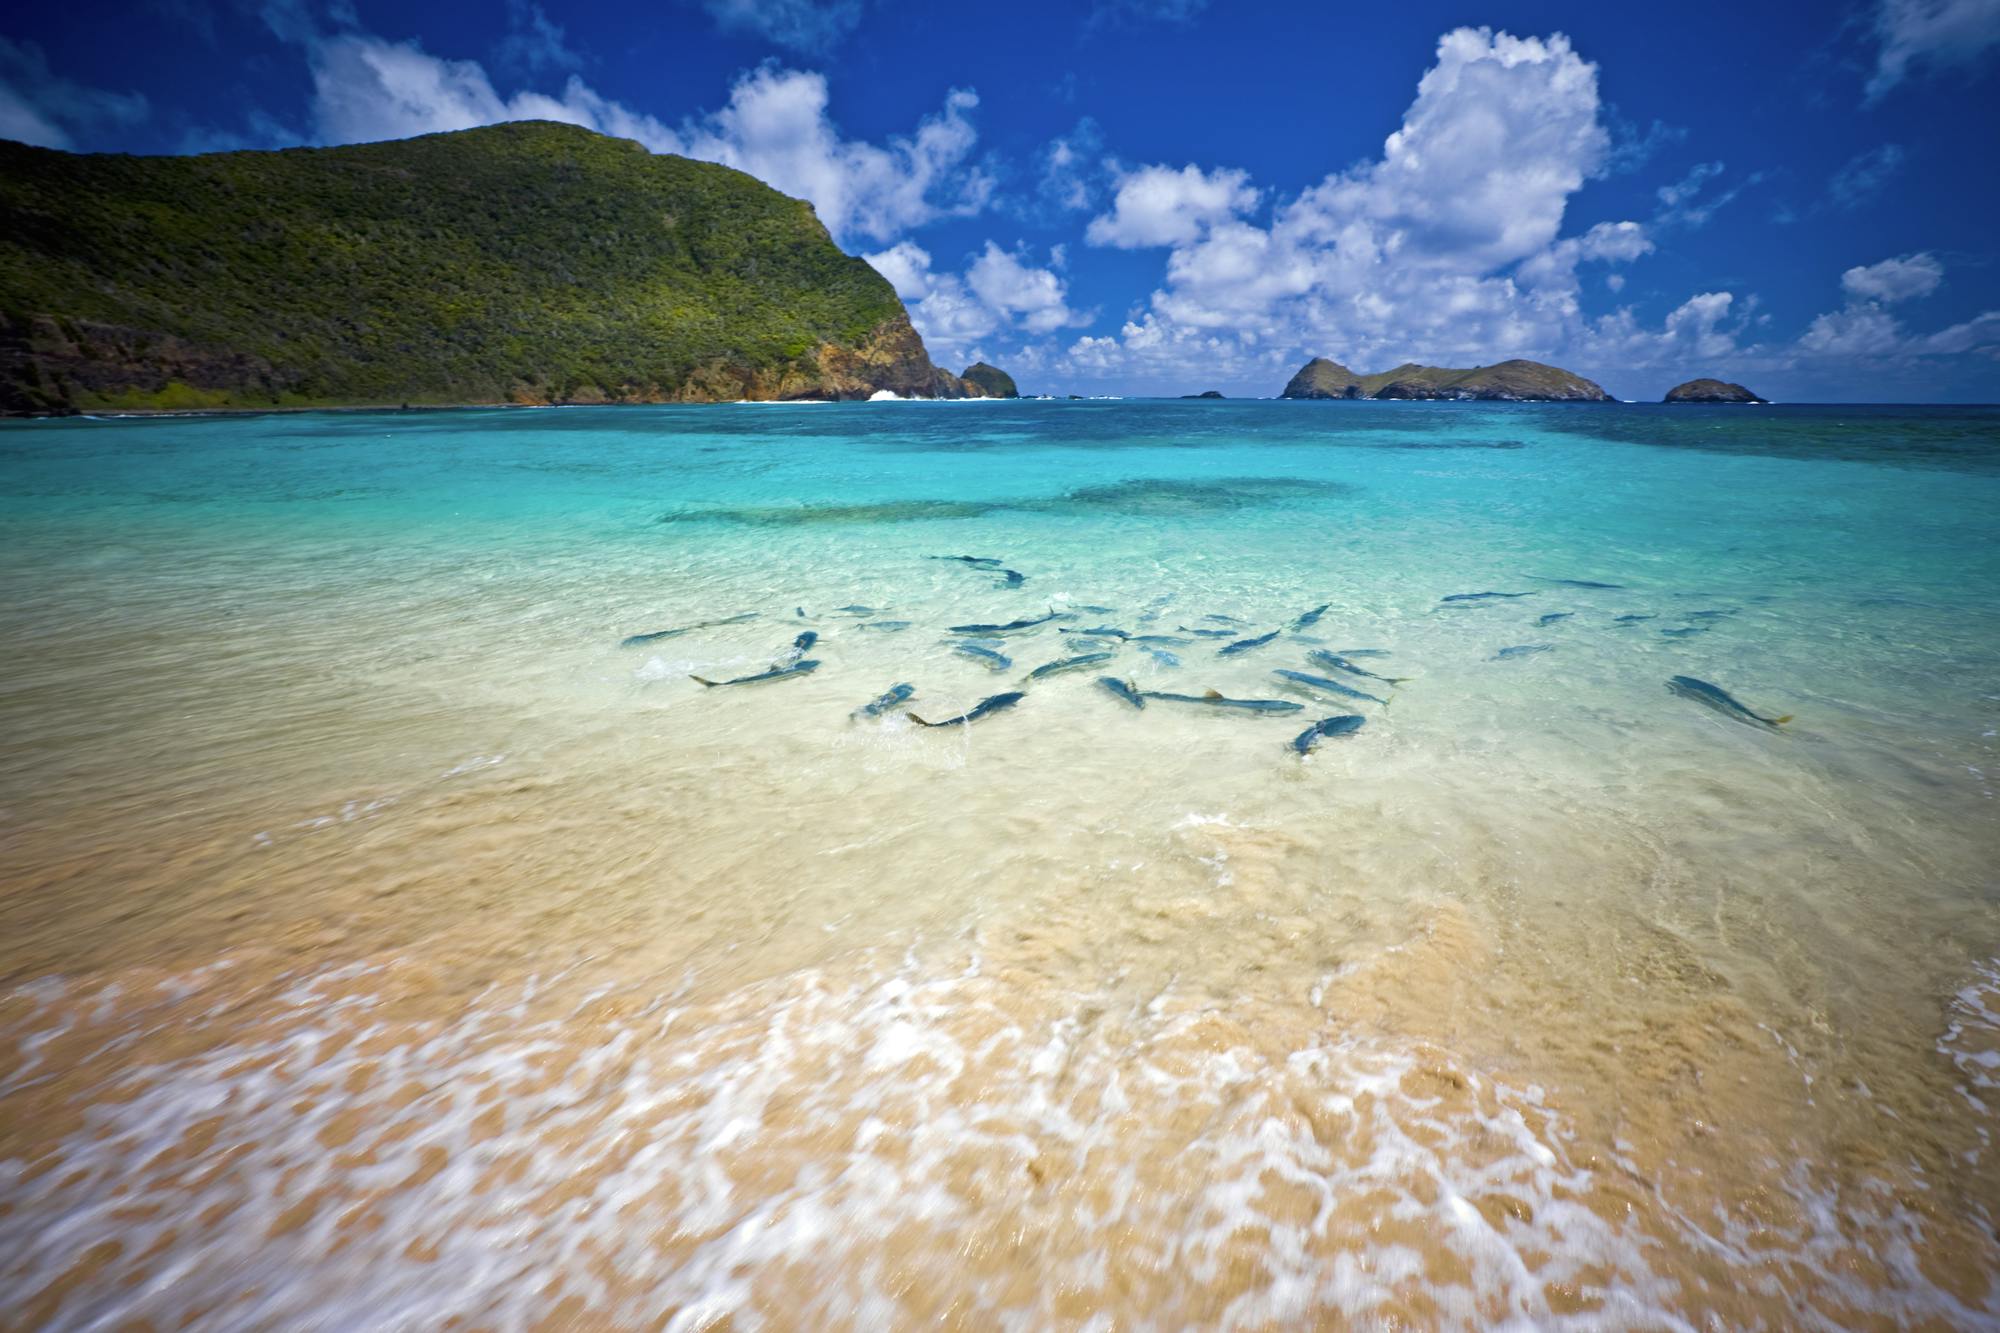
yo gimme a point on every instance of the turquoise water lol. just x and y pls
(1558, 995)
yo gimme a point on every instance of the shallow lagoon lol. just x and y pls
(371, 911)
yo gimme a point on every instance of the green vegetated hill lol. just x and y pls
(1508, 381)
(530, 262)
(991, 381)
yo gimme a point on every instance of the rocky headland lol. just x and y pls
(1507, 382)
(525, 263)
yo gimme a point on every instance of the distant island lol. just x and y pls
(521, 263)
(1710, 391)
(1508, 382)
(990, 381)
(1205, 393)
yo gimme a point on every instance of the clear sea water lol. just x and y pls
(383, 942)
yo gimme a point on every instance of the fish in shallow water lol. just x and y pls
(1216, 699)
(1686, 631)
(800, 647)
(1170, 640)
(982, 560)
(1362, 652)
(1227, 620)
(1576, 583)
(890, 626)
(775, 673)
(1482, 596)
(1334, 661)
(1312, 617)
(1062, 664)
(1011, 578)
(1710, 615)
(1330, 686)
(659, 634)
(1631, 620)
(856, 610)
(991, 704)
(1123, 690)
(1101, 632)
(994, 661)
(1209, 633)
(1345, 725)
(1163, 657)
(1245, 645)
(1098, 610)
(895, 697)
(1553, 616)
(1011, 627)
(1521, 650)
(1714, 696)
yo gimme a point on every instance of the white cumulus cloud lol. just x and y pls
(776, 127)
(907, 266)
(1858, 330)
(1865, 327)
(1449, 245)
(1000, 294)
(1893, 280)
(1033, 297)
(1156, 206)
(366, 88)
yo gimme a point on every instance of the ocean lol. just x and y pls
(384, 940)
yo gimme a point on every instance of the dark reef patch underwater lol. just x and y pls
(1143, 497)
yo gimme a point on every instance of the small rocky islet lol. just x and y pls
(1711, 391)
(1515, 381)
(989, 381)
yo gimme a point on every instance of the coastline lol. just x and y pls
(400, 409)
(412, 409)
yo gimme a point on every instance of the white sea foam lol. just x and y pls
(473, 765)
(1971, 1038)
(843, 1150)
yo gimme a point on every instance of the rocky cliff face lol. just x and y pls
(51, 364)
(525, 263)
(891, 357)
(1514, 381)
(57, 367)
(1710, 391)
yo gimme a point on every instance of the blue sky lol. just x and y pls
(1174, 195)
